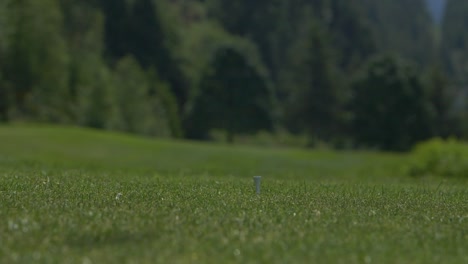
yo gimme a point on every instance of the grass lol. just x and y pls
(72, 195)
(82, 148)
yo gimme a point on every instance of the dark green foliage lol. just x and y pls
(351, 35)
(463, 120)
(233, 96)
(90, 81)
(266, 23)
(93, 97)
(68, 62)
(201, 40)
(4, 100)
(4, 32)
(401, 27)
(52, 66)
(442, 98)
(37, 59)
(270, 25)
(390, 105)
(166, 103)
(310, 96)
(136, 28)
(276, 26)
(116, 27)
(313, 104)
(136, 110)
(455, 40)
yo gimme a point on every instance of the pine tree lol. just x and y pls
(233, 96)
(37, 61)
(90, 78)
(391, 106)
(314, 102)
(136, 28)
(4, 39)
(441, 96)
(455, 41)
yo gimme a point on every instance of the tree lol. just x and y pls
(277, 26)
(89, 82)
(93, 97)
(400, 27)
(4, 38)
(441, 96)
(136, 111)
(271, 25)
(351, 37)
(37, 61)
(137, 28)
(390, 105)
(233, 96)
(314, 101)
(165, 108)
(455, 41)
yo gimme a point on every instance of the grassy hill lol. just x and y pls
(76, 148)
(72, 195)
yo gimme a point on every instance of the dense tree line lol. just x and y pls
(373, 73)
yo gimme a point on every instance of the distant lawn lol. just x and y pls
(78, 148)
(72, 195)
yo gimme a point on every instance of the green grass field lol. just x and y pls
(71, 195)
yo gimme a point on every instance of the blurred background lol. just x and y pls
(347, 74)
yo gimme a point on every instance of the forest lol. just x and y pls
(349, 74)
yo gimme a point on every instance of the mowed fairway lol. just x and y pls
(70, 195)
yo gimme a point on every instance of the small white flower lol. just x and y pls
(117, 197)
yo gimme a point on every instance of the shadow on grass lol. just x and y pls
(90, 240)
